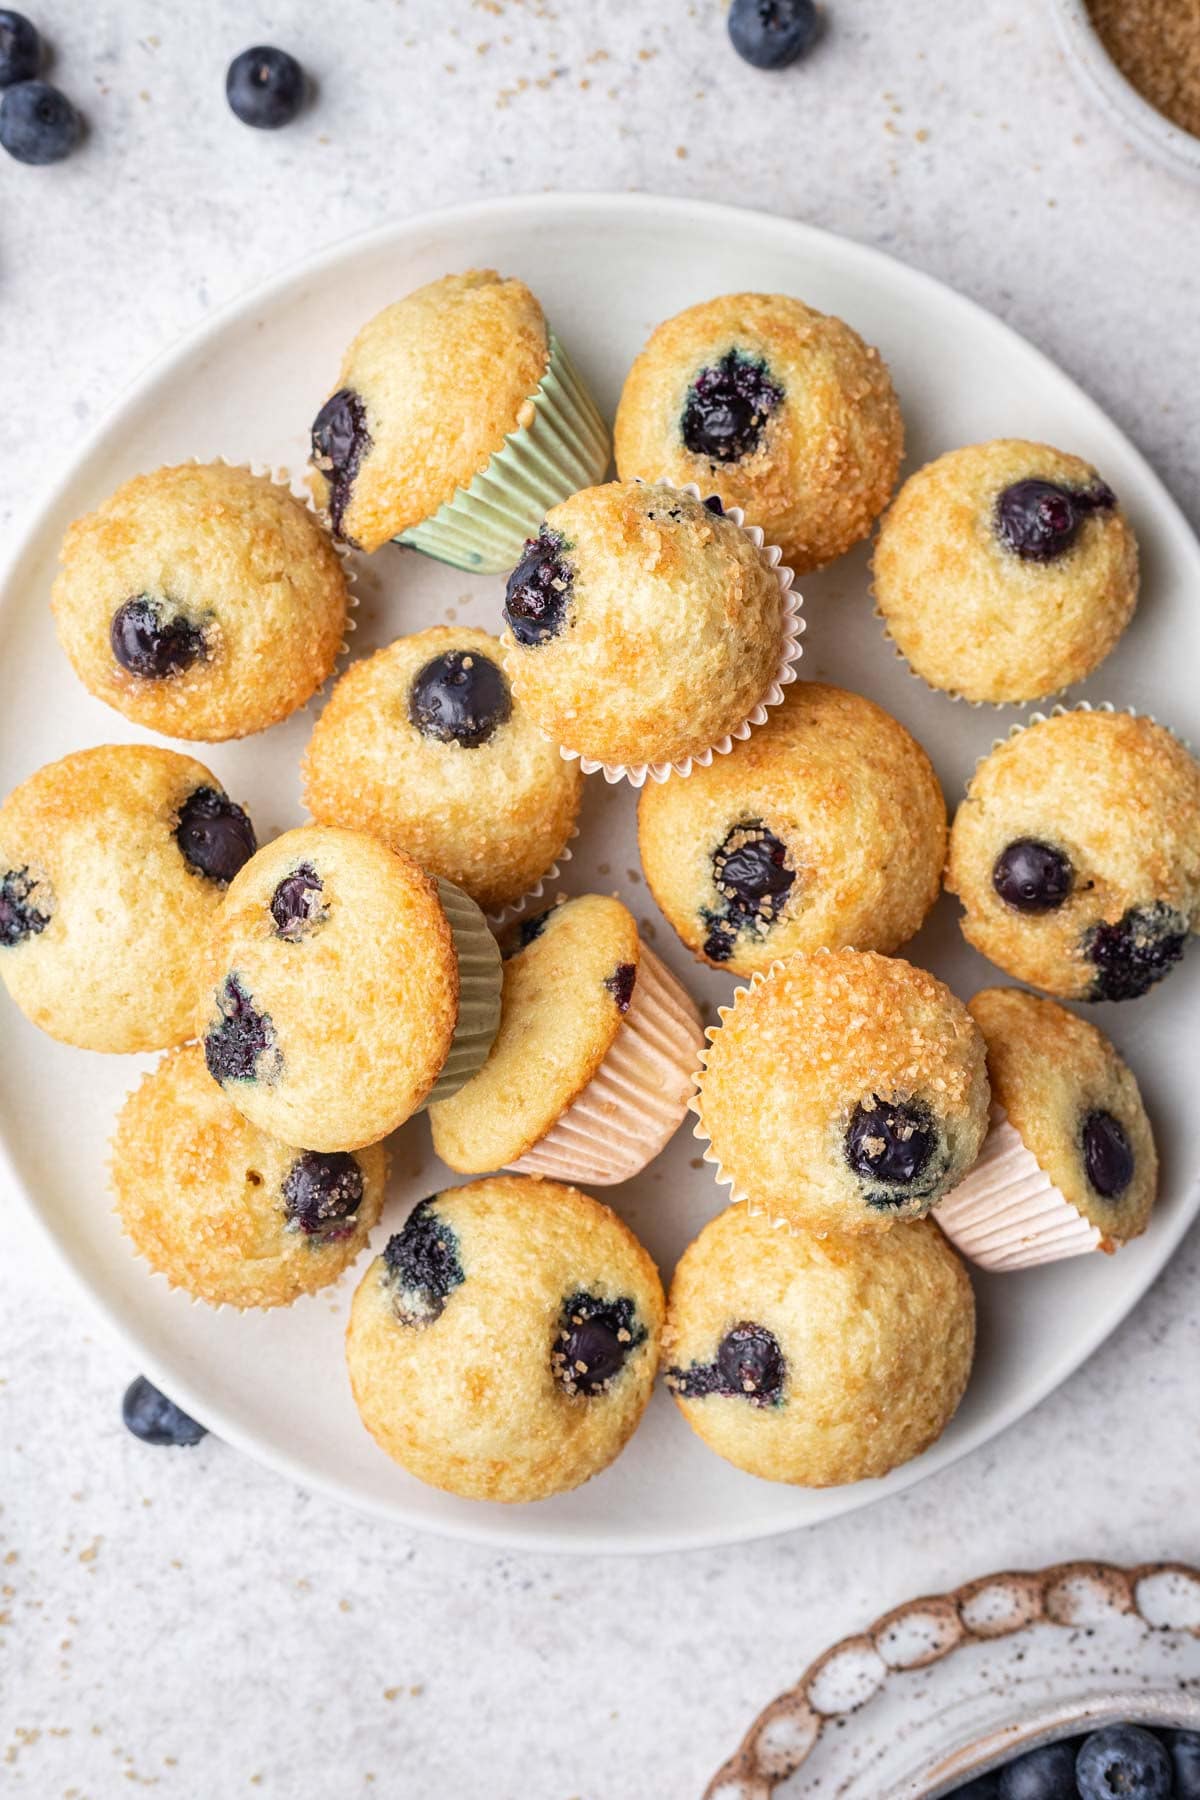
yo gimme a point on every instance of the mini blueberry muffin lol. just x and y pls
(1076, 854)
(825, 828)
(457, 421)
(1005, 571)
(202, 601)
(818, 1361)
(843, 1092)
(342, 988)
(113, 863)
(778, 409)
(631, 577)
(224, 1211)
(594, 1062)
(424, 745)
(504, 1345)
(1069, 1164)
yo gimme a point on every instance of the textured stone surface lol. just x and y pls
(186, 1617)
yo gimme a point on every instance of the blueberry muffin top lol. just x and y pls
(818, 1360)
(844, 1091)
(504, 1345)
(202, 601)
(331, 989)
(826, 827)
(1074, 1104)
(1076, 855)
(425, 745)
(113, 862)
(426, 395)
(222, 1210)
(569, 976)
(1005, 571)
(775, 408)
(629, 577)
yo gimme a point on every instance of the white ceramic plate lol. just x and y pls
(246, 386)
(948, 1686)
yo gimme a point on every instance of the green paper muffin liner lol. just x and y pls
(564, 447)
(478, 994)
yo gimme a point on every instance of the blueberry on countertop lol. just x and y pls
(770, 34)
(1123, 1760)
(265, 87)
(1184, 1749)
(157, 1420)
(20, 48)
(38, 124)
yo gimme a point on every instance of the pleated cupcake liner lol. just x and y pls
(1007, 1214)
(638, 1097)
(793, 627)
(479, 992)
(564, 446)
(513, 908)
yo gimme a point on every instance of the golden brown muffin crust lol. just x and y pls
(829, 455)
(444, 375)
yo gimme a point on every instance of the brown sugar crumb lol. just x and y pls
(1156, 46)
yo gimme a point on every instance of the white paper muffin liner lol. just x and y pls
(1007, 1214)
(479, 990)
(503, 913)
(638, 1097)
(791, 600)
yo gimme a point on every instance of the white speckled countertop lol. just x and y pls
(188, 1620)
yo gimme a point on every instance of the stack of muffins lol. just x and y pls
(402, 952)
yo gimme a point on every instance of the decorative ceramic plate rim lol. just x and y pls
(178, 1367)
(1040, 1596)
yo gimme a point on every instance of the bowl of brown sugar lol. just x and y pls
(1140, 60)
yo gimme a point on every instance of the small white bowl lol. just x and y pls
(1150, 131)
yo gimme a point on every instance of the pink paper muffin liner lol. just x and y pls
(793, 628)
(1007, 1214)
(638, 1097)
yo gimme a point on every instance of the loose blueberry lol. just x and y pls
(538, 590)
(523, 933)
(296, 903)
(1130, 956)
(1032, 877)
(1040, 520)
(727, 408)
(982, 1788)
(1044, 1774)
(770, 34)
(460, 698)
(38, 124)
(340, 440)
(1122, 1760)
(20, 918)
(422, 1265)
(322, 1192)
(891, 1142)
(1184, 1748)
(20, 48)
(594, 1340)
(149, 644)
(752, 874)
(620, 985)
(265, 87)
(215, 835)
(243, 1045)
(1107, 1154)
(749, 1365)
(157, 1420)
